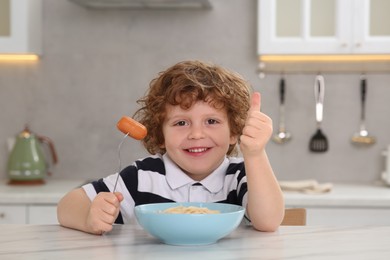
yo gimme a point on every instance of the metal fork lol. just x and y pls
(119, 161)
(319, 142)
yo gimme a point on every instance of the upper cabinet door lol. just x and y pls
(323, 26)
(371, 27)
(20, 26)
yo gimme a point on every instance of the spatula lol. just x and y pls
(319, 142)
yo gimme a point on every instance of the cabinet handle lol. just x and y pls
(358, 44)
(2, 215)
(344, 44)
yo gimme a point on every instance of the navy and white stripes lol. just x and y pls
(157, 179)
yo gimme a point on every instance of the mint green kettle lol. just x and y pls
(27, 163)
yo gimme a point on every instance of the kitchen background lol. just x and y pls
(97, 63)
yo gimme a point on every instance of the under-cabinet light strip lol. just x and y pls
(19, 57)
(323, 58)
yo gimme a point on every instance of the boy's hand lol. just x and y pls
(257, 130)
(103, 212)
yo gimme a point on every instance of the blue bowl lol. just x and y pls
(189, 229)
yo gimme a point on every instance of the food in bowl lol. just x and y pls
(190, 210)
(189, 229)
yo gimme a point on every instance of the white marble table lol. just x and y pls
(131, 242)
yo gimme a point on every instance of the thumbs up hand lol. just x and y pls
(257, 130)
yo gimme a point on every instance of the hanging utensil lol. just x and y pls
(282, 135)
(362, 137)
(319, 142)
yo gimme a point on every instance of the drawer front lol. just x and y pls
(42, 214)
(13, 214)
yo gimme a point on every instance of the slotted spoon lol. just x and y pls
(319, 142)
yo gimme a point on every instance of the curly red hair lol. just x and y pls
(186, 83)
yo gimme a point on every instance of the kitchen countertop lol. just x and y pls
(49, 193)
(342, 195)
(131, 242)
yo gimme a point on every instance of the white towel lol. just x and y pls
(306, 186)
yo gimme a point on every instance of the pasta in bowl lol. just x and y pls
(189, 223)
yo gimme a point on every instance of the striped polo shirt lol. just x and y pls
(158, 179)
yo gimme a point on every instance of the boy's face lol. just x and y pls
(198, 138)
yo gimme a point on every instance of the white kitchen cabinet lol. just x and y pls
(12, 214)
(36, 204)
(20, 26)
(345, 204)
(28, 214)
(340, 27)
(348, 216)
(42, 214)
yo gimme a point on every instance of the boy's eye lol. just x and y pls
(181, 123)
(212, 121)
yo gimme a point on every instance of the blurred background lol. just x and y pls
(95, 64)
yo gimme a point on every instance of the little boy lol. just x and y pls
(196, 115)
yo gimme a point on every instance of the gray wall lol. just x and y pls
(97, 63)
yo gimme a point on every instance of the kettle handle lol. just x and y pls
(50, 144)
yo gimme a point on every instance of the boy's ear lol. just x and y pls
(233, 139)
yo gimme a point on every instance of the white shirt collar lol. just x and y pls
(176, 178)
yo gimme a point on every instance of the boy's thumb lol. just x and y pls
(119, 196)
(255, 102)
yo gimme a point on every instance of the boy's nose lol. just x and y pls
(196, 132)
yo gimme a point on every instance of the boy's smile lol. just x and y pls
(196, 151)
(197, 139)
